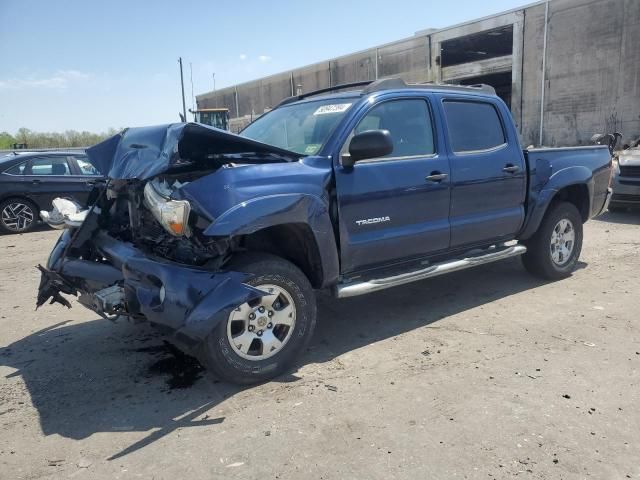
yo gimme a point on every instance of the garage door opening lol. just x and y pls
(494, 43)
(500, 81)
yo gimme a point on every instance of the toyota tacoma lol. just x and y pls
(222, 240)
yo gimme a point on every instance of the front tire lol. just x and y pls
(259, 340)
(18, 215)
(553, 251)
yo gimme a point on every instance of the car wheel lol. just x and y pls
(18, 215)
(553, 251)
(258, 340)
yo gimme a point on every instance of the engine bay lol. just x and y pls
(128, 218)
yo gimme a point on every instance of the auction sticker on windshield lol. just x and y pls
(312, 149)
(334, 108)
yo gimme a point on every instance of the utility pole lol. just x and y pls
(184, 105)
(193, 98)
(215, 97)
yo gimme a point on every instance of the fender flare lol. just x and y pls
(542, 195)
(269, 211)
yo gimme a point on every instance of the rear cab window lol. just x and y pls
(473, 126)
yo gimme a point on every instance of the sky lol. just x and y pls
(94, 65)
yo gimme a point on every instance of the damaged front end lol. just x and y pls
(139, 250)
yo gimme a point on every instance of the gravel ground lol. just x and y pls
(485, 373)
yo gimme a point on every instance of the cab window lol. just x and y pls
(408, 122)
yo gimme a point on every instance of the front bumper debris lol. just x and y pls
(186, 300)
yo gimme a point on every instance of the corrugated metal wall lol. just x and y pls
(591, 80)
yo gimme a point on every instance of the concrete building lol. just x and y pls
(566, 68)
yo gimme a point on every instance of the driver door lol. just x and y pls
(396, 207)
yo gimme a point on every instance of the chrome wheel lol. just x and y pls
(563, 239)
(259, 329)
(17, 216)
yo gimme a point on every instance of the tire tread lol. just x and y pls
(537, 259)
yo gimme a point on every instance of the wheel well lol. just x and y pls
(578, 195)
(294, 242)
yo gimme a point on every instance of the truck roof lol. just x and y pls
(386, 84)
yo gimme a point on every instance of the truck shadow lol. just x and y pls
(90, 377)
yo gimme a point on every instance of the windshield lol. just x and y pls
(302, 128)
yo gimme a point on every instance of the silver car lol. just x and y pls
(626, 180)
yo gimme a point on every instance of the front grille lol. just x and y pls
(630, 171)
(625, 198)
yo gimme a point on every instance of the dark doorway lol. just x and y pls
(497, 42)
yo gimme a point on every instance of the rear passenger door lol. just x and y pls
(85, 175)
(488, 174)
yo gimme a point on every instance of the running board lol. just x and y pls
(359, 288)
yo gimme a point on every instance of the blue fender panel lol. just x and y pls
(259, 213)
(545, 187)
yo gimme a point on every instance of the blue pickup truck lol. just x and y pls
(222, 239)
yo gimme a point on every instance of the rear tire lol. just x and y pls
(18, 215)
(245, 350)
(553, 251)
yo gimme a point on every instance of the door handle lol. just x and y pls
(35, 182)
(91, 183)
(436, 176)
(510, 168)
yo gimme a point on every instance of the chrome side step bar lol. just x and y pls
(359, 288)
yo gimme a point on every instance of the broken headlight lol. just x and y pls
(173, 215)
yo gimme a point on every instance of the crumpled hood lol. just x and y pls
(145, 152)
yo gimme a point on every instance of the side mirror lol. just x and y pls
(369, 144)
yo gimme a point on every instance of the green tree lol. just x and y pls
(69, 138)
(6, 140)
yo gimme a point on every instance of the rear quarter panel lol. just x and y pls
(552, 169)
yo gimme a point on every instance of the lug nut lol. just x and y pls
(251, 328)
(261, 309)
(269, 325)
(270, 313)
(252, 316)
(259, 333)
